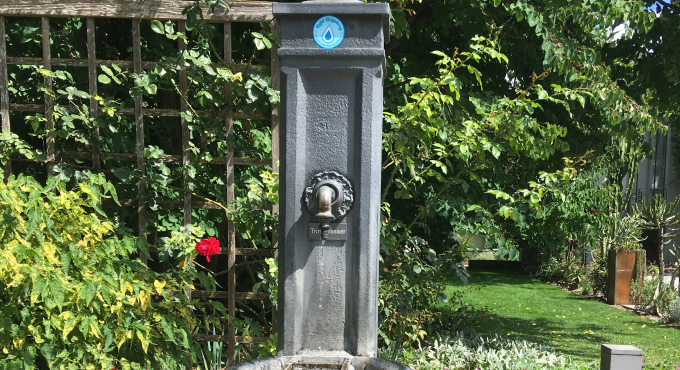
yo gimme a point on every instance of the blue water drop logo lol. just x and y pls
(328, 36)
(329, 32)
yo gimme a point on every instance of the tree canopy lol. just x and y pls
(505, 119)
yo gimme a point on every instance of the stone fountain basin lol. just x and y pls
(319, 363)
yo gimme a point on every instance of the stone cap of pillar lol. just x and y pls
(336, 7)
(620, 349)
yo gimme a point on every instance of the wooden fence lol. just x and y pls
(136, 10)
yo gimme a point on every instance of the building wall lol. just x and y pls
(657, 175)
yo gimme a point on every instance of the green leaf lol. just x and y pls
(204, 281)
(107, 70)
(88, 292)
(204, 93)
(70, 322)
(47, 350)
(495, 151)
(124, 174)
(157, 26)
(535, 198)
(219, 307)
(143, 336)
(104, 79)
(169, 28)
(473, 207)
(29, 357)
(84, 326)
(185, 338)
(581, 100)
(259, 44)
(168, 330)
(57, 294)
(151, 89)
(38, 287)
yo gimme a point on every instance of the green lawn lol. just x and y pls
(522, 307)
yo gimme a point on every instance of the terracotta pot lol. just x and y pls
(621, 271)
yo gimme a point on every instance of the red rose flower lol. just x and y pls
(208, 247)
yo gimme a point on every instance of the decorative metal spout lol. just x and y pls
(329, 196)
(325, 197)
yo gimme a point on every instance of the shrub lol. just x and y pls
(493, 352)
(550, 270)
(72, 295)
(654, 297)
(410, 292)
(598, 274)
(565, 271)
(587, 286)
(674, 310)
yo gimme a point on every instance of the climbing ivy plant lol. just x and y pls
(133, 330)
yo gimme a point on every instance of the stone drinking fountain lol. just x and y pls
(332, 67)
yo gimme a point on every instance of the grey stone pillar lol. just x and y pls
(331, 121)
(620, 357)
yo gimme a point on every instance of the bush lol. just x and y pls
(72, 295)
(674, 310)
(484, 353)
(587, 286)
(655, 296)
(598, 274)
(566, 271)
(550, 270)
(413, 277)
(532, 256)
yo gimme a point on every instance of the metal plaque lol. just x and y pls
(337, 231)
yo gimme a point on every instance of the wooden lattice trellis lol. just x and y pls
(135, 10)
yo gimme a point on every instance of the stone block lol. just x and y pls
(620, 357)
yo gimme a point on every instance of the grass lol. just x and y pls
(522, 307)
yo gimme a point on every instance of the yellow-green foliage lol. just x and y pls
(71, 294)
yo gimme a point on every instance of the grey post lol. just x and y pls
(620, 357)
(331, 120)
(332, 61)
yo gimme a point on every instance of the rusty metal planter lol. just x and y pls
(621, 269)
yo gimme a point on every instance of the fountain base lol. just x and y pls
(319, 363)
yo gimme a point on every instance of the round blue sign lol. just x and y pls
(329, 32)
